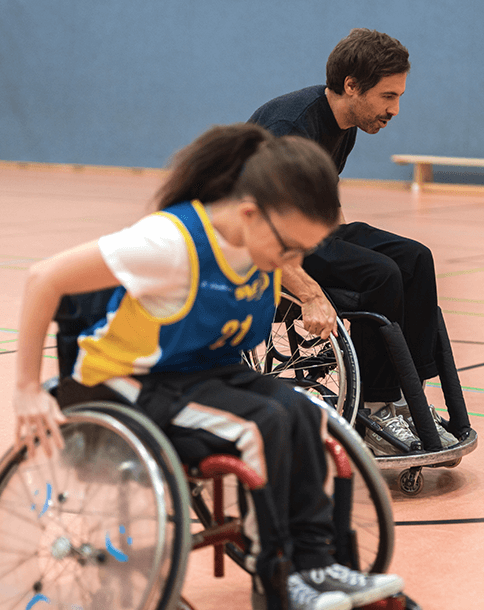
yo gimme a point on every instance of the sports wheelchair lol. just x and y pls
(105, 523)
(330, 368)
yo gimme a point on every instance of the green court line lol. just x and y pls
(23, 258)
(435, 384)
(471, 389)
(22, 262)
(478, 301)
(15, 330)
(8, 341)
(463, 313)
(465, 389)
(465, 272)
(6, 351)
(468, 413)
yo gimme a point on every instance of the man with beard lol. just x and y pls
(383, 273)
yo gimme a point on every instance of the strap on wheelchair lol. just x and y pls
(273, 564)
(410, 383)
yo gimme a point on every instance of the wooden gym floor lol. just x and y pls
(439, 533)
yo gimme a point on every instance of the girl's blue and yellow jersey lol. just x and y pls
(224, 314)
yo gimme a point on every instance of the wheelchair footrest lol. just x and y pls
(219, 534)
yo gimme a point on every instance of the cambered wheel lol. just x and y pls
(104, 523)
(370, 516)
(329, 367)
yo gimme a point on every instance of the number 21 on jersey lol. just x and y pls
(233, 331)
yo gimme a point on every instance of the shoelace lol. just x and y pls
(301, 593)
(436, 417)
(347, 576)
(399, 427)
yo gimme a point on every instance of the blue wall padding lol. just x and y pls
(117, 82)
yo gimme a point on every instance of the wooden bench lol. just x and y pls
(423, 169)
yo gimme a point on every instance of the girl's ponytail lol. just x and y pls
(209, 167)
(232, 161)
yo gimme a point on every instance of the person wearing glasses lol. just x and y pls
(195, 283)
(385, 273)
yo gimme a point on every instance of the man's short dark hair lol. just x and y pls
(367, 56)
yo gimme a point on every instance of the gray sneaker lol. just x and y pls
(446, 438)
(303, 596)
(362, 589)
(395, 425)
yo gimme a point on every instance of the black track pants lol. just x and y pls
(390, 275)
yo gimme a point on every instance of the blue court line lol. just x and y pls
(465, 388)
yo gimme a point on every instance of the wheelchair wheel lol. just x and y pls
(363, 513)
(327, 367)
(370, 517)
(104, 523)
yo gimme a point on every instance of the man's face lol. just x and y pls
(372, 110)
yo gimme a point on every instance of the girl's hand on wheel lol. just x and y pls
(38, 419)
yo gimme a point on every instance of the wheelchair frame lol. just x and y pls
(157, 468)
(411, 480)
(289, 354)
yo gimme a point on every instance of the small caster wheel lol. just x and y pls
(410, 482)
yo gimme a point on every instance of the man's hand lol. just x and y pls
(319, 316)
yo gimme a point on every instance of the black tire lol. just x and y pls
(371, 517)
(371, 512)
(327, 367)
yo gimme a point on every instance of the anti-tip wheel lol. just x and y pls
(454, 464)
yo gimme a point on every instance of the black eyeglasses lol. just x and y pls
(287, 253)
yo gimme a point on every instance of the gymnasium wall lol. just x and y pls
(117, 82)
